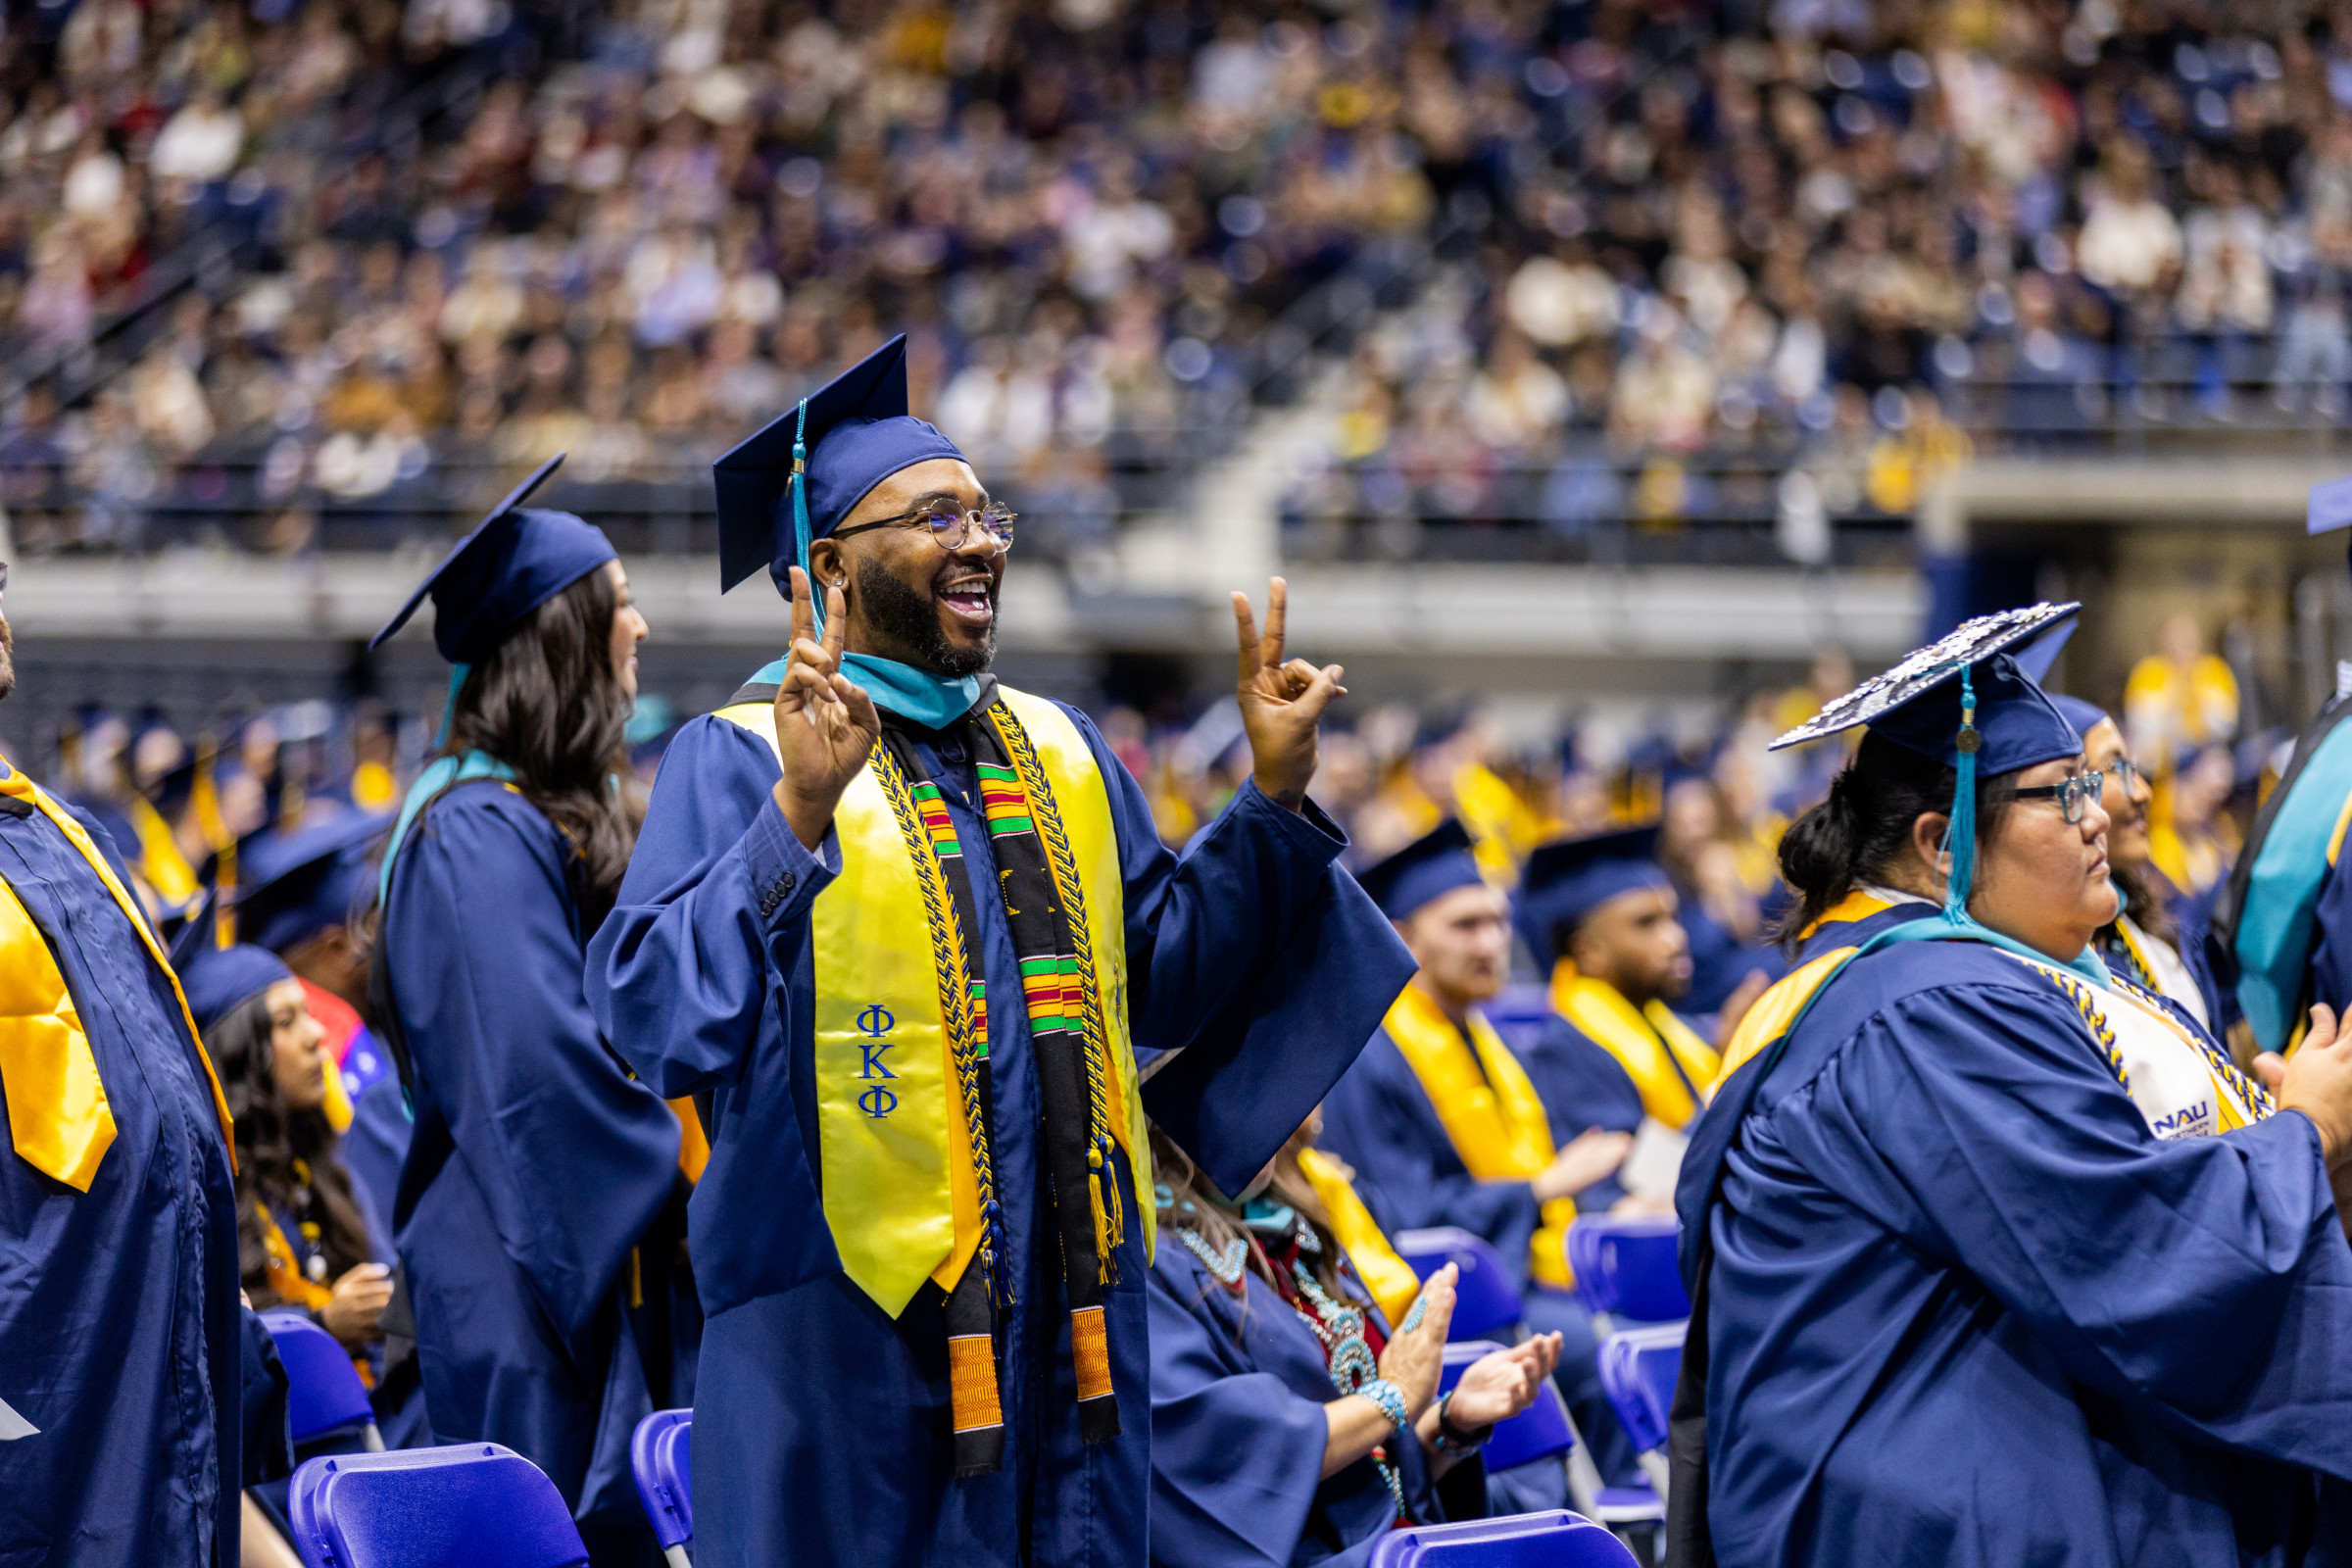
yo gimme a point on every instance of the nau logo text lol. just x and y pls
(876, 1023)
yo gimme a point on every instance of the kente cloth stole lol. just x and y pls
(58, 1117)
(1488, 1110)
(1667, 1061)
(1389, 1277)
(903, 1092)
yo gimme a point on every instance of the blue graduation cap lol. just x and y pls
(1962, 701)
(1565, 881)
(516, 560)
(1431, 867)
(295, 885)
(2329, 507)
(838, 443)
(218, 981)
(2084, 717)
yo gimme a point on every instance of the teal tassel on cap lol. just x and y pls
(1960, 834)
(799, 516)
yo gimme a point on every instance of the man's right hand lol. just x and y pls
(826, 725)
(1589, 1156)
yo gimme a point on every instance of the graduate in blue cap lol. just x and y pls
(1600, 914)
(910, 937)
(1443, 1125)
(540, 1209)
(2282, 925)
(123, 1343)
(1995, 1257)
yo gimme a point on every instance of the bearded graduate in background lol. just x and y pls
(908, 935)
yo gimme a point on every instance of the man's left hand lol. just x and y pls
(1282, 702)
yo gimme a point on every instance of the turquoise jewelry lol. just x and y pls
(1390, 1400)
(1454, 1440)
(1413, 1319)
(1353, 1368)
(1226, 1267)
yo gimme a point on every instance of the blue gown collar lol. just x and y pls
(443, 772)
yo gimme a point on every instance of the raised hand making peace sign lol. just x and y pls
(1282, 702)
(826, 723)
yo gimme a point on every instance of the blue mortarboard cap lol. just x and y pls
(219, 980)
(1431, 867)
(2037, 655)
(294, 885)
(2329, 507)
(2083, 716)
(1567, 880)
(513, 561)
(852, 433)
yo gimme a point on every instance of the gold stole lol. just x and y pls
(1389, 1277)
(1493, 1118)
(1774, 1011)
(1648, 1041)
(58, 1116)
(901, 1189)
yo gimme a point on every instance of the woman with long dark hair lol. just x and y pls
(1994, 1257)
(1292, 1420)
(540, 1217)
(302, 1240)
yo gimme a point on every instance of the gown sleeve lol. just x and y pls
(573, 1158)
(1257, 955)
(1236, 1456)
(1378, 1120)
(2204, 1281)
(677, 972)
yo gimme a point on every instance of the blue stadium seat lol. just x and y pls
(1541, 1431)
(1556, 1539)
(661, 1457)
(1486, 1296)
(1626, 1267)
(1637, 1369)
(469, 1505)
(325, 1397)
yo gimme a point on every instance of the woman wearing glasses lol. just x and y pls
(1995, 1257)
(2148, 941)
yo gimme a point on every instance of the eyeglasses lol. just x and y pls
(3, 576)
(948, 525)
(2130, 774)
(2072, 795)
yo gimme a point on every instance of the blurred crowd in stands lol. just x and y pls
(1637, 263)
(1388, 773)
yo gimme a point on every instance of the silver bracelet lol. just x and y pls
(1390, 1400)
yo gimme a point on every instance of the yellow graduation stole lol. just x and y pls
(901, 1189)
(166, 869)
(1664, 1057)
(1389, 1277)
(1493, 1118)
(58, 1117)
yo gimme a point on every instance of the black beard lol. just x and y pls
(911, 620)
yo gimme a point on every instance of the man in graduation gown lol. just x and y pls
(1991, 1262)
(1444, 1126)
(122, 1337)
(1613, 1052)
(898, 927)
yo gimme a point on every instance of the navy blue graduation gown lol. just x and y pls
(1581, 1087)
(1718, 961)
(536, 1167)
(1964, 1308)
(122, 1339)
(1238, 1432)
(821, 1430)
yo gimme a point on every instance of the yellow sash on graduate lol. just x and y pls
(901, 1189)
(1648, 1041)
(1389, 1277)
(160, 861)
(1493, 1117)
(58, 1117)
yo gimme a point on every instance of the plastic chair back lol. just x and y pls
(1541, 1431)
(1555, 1540)
(661, 1457)
(1637, 1368)
(324, 1396)
(1519, 1014)
(1626, 1266)
(1485, 1293)
(470, 1505)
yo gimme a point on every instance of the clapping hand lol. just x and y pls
(1282, 702)
(826, 725)
(1497, 1387)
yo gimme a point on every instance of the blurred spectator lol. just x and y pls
(2179, 697)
